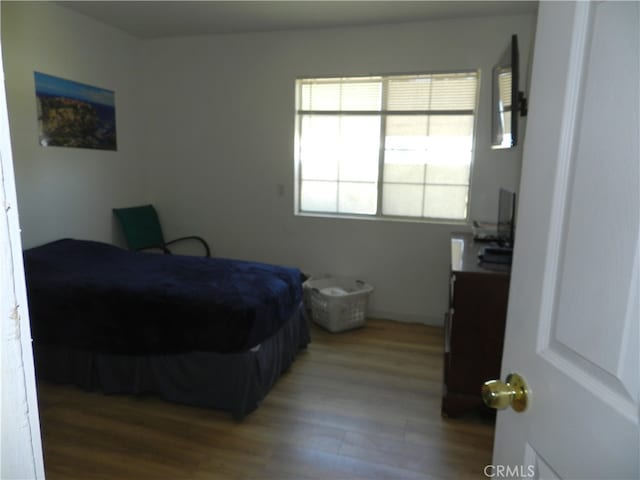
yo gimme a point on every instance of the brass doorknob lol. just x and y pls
(499, 395)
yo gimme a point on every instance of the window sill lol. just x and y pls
(377, 218)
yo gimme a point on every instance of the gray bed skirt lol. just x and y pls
(236, 382)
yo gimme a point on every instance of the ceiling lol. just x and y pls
(155, 19)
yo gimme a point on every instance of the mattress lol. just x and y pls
(94, 296)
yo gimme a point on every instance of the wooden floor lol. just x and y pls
(358, 405)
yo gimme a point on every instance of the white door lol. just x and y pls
(20, 445)
(572, 328)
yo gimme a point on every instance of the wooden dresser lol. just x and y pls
(474, 325)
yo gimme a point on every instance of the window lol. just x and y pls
(392, 146)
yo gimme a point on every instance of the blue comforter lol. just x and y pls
(94, 296)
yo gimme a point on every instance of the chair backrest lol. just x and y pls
(141, 226)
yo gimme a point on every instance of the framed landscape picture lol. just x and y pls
(72, 114)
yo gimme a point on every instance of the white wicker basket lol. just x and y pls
(338, 304)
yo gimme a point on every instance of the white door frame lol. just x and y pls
(20, 443)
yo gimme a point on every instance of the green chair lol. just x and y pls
(141, 228)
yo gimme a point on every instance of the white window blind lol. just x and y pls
(397, 146)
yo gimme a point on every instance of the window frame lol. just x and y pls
(382, 114)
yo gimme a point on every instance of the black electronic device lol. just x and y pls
(502, 250)
(505, 229)
(502, 255)
(508, 101)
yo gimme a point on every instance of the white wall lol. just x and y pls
(219, 125)
(205, 131)
(69, 192)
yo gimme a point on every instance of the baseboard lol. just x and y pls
(406, 317)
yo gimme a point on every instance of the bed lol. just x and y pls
(210, 332)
